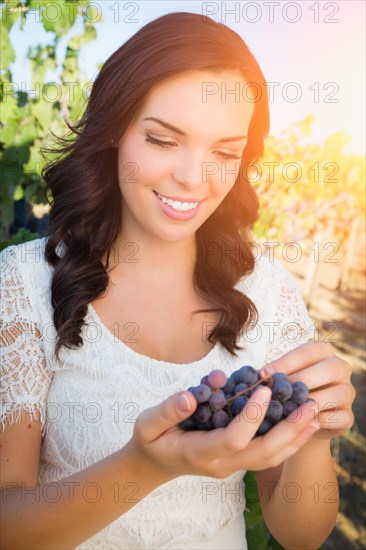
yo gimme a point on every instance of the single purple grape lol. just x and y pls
(236, 377)
(217, 379)
(201, 393)
(220, 419)
(279, 376)
(238, 404)
(240, 387)
(204, 380)
(217, 401)
(204, 426)
(203, 413)
(247, 375)
(274, 411)
(281, 390)
(230, 385)
(188, 424)
(264, 427)
(300, 393)
(288, 407)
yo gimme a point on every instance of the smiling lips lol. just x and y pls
(177, 210)
(177, 203)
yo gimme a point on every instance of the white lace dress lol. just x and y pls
(89, 400)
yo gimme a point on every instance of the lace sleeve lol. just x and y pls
(25, 378)
(291, 324)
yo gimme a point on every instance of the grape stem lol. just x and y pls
(267, 378)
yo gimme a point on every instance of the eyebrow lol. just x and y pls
(179, 131)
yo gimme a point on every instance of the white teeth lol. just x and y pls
(177, 205)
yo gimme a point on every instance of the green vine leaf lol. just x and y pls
(10, 14)
(6, 49)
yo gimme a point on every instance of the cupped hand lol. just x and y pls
(159, 442)
(328, 378)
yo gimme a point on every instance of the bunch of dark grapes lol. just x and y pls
(220, 399)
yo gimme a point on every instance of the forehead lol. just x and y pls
(204, 101)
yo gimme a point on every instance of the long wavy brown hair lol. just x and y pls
(85, 213)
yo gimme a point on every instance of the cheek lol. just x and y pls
(224, 180)
(129, 168)
(140, 165)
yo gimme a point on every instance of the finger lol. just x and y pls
(330, 370)
(223, 442)
(334, 397)
(299, 358)
(286, 431)
(279, 441)
(303, 437)
(154, 421)
(336, 420)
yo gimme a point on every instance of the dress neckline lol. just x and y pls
(119, 344)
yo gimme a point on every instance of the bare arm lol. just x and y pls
(299, 499)
(302, 509)
(65, 513)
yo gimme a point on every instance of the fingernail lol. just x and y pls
(183, 403)
(266, 370)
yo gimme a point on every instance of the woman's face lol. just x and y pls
(187, 160)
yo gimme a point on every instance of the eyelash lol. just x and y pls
(160, 143)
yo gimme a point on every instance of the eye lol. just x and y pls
(158, 142)
(166, 144)
(228, 156)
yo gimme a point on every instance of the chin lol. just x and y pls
(175, 236)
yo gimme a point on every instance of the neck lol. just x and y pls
(140, 256)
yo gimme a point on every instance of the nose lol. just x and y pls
(190, 171)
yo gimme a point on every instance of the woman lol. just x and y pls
(144, 284)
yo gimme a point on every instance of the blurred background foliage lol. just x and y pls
(28, 117)
(304, 188)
